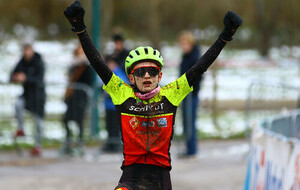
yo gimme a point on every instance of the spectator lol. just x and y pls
(120, 52)
(76, 97)
(29, 72)
(113, 143)
(191, 55)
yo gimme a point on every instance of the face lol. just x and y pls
(112, 64)
(28, 53)
(119, 46)
(145, 83)
(79, 52)
(185, 45)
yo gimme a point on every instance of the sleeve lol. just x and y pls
(14, 71)
(118, 90)
(204, 62)
(176, 91)
(94, 57)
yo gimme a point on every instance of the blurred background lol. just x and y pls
(256, 76)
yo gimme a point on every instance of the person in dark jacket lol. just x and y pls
(120, 52)
(76, 97)
(113, 143)
(30, 73)
(191, 54)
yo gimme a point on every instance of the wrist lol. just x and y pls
(224, 40)
(81, 31)
(78, 27)
(225, 35)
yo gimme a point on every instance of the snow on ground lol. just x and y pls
(238, 69)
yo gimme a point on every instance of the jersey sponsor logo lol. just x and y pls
(162, 122)
(150, 107)
(134, 122)
(148, 124)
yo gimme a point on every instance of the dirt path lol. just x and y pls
(221, 165)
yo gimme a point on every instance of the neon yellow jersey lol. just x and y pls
(175, 92)
(147, 125)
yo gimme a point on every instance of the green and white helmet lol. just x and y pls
(142, 53)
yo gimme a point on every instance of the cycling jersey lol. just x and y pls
(147, 125)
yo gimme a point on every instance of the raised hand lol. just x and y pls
(75, 13)
(231, 23)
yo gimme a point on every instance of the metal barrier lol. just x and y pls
(275, 153)
(286, 124)
(267, 99)
(54, 110)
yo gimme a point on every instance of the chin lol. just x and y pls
(145, 90)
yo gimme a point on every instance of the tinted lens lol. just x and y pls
(153, 71)
(140, 72)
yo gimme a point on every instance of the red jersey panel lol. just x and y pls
(146, 139)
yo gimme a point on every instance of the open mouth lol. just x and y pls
(147, 83)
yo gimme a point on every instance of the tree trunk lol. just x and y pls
(267, 20)
(154, 23)
(214, 103)
(108, 9)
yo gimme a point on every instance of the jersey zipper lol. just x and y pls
(147, 142)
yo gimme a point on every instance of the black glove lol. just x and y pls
(231, 23)
(74, 14)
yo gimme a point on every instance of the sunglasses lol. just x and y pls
(141, 71)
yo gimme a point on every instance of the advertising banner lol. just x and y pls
(269, 163)
(293, 171)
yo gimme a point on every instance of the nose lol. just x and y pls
(147, 75)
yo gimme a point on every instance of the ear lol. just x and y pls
(160, 76)
(131, 78)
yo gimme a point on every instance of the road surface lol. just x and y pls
(220, 165)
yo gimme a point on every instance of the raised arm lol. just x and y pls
(231, 23)
(75, 13)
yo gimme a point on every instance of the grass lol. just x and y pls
(54, 131)
(47, 144)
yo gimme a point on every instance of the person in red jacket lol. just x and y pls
(145, 110)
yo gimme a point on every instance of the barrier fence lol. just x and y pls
(274, 160)
(55, 108)
(265, 99)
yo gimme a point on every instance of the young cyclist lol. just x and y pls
(145, 110)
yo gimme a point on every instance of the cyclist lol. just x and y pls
(145, 110)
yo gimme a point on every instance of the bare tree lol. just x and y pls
(154, 23)
(267, 14)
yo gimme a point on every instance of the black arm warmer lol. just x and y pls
(205, 61)
(94, 57)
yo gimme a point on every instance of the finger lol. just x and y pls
(77, 2)
(77, 7)
(236, 20)
(233, 18)
(66, 13)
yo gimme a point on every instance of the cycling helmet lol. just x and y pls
(142, 53)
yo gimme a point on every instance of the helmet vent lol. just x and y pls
(137, 52)
(146, 50)
(130, 56)
(154, 53)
